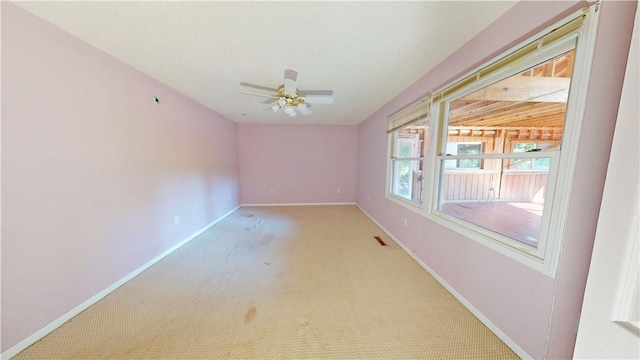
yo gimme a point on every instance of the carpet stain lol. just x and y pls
(255, 226)
(380, 240)
(251, 313)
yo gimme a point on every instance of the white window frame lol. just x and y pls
(545, 258)
(414, 156)
(391, 182)
(415, 113)
(481, 234)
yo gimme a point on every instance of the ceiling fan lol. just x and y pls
(288, 98)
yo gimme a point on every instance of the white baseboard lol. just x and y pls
(302, 204)
(16, 349)
(499, 333)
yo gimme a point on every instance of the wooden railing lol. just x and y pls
(523, 185)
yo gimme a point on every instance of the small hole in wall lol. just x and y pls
(156, 99)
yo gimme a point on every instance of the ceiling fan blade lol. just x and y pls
(290, 87)
(258, 87)
(291, 74)
(315, 92)
(256, 94)
(318, 100)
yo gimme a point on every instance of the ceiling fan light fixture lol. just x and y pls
(288, 97)
(289, 110)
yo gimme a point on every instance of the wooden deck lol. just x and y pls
(518, 220)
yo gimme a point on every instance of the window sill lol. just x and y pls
(417, 208)
(501, 244)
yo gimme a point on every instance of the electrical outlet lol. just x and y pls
(176, 220)
(405, 222)
(271, 192)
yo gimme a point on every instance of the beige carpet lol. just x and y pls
(279, 283)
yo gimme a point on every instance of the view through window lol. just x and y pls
(500, 148)
(408, 149)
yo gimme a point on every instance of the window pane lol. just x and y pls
(524, 114)
(407, 179)
(532, 163)
(469, 149)
(456, 148)
(509, 203)
(541, 164)
(516, 114)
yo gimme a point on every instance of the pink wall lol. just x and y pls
(301, 163)
(605, 88)
(522, 302)
(94, 171)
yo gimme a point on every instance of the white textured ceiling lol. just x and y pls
(366, 52)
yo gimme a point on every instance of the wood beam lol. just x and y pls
(525, 88)
(506, 111)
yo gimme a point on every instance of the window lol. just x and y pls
(407, 162)
(506, 202)
(482, 155)
(531, 163)
(408, 132)
(456, 148)
(509, 121)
